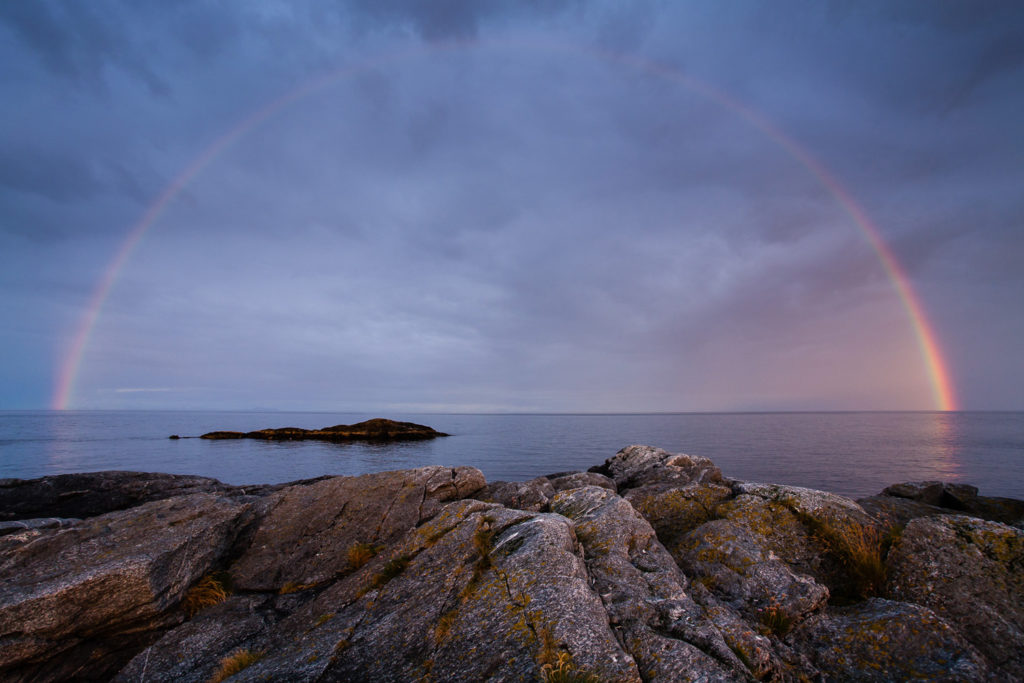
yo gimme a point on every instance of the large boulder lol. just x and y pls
(971, 573)
(635, 466)
(674, 511)
(193, 650)
(308, 532)
(645, 595)
(811, 505)
(881, 640)
(737, 566)
(479, 592)
(824, 535)
(908, 500)
(93, 493)
(563, 481)
(936, 493)
(779, 531)
(533, 495)
(73, 600)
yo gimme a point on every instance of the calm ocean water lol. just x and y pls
(854, 454)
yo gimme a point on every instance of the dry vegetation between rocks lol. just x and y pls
(295, 587)
(774, 619)
(443, 625)
(360, 553)
(235, 662)
(483, 543)
(564, 671)
(390, 570)
(861, 550)
(211, 590)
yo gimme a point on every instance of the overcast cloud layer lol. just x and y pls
(520, 206)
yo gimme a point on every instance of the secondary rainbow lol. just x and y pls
(942, 390)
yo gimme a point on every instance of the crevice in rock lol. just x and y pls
(339, 514)
(244, 534)
(521, 607)
(717, 650)
(419, 510)
(384, 517)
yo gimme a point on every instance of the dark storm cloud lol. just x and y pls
(460, 20)
(77, 40)
(42, 172)
(441, 20)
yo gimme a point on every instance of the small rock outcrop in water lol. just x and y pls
(371, 430)
(655, 566)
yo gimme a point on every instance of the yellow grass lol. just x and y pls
(565, 671)
(361, 553)
(294, 587)
(236, 662)
(208, 592)
(862, 549)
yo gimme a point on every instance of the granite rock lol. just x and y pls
(71, 600)
(307, 532)
(970, 572)
(430, 574)
(93, 493)
(881, 640)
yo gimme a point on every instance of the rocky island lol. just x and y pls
(377, 429)
(650, 567)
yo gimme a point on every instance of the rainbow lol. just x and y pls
(936, 367)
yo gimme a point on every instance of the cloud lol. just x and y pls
(78, 43)
(47, 173)
(144, 390)
(525, 218)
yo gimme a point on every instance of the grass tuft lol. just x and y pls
(211, 590)
(861, 550)
(294, 587)
(361, 553)
(774, 619)
(564, 671)
(390, 570)
(483, 542)
(323, 619)
(235, 662)
(444, 625)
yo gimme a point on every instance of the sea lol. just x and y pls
(851, 453)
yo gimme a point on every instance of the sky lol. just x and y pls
(561, 206)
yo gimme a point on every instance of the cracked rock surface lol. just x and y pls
(651, 566)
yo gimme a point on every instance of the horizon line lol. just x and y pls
(582, 413)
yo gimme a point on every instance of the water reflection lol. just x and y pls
(945, 446)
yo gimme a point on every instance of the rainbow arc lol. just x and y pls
(937, 369)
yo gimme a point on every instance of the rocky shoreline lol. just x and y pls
(651, 566)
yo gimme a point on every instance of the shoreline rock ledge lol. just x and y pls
(653, 566)
(377, 429)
